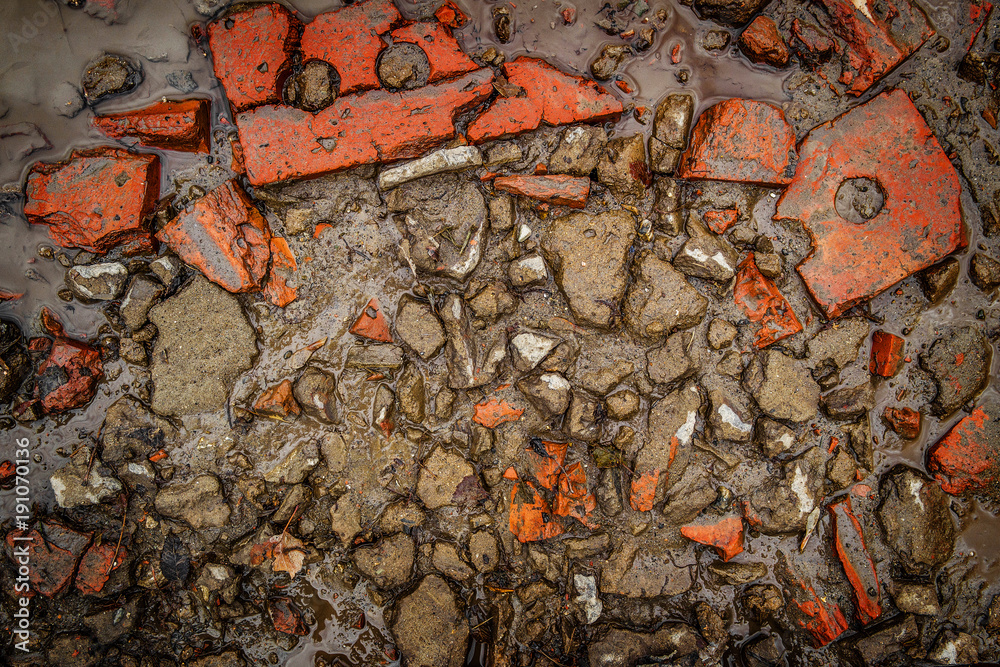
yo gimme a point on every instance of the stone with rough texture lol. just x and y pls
(743, 141)
(250, 49)
(84, 481)
(622, 166)
(661, 299)
(205, 342)
(640, 569)
(588, 254)
(550, 96)
(939, 280)
(916, 520)
(131, 430)
(782, 387)
(389, 562)
(178, 126)
(624, 648)
(783, 504)
(959, 363)
(670, 132)
(729, 12)
(856, 257)
(706, 255)
(98, 282)
(984, 271)
(200, 502)
(430, 630)
(762, 43)
(419, 328)
(225, 236)
(671, 361)
(140, 297)
(440, 477)
(662, 460)
(579, 149)
(446, 159)
(967, 458)
(95, 201)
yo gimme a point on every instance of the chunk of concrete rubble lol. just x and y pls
(141, 295)
(200, 502)
(623, 648)
(440, 476)
(916, 598)
(593, 288)
(365, 357)
(774, 438)
(550, 96)
(548, 392)
(959, 364)
(438, 162)
(586, 596)
(721, 333)
(838, 346)
(419, 328)
(529, 349)
(706, 255)
(781, 387)
(661, 299)
(446, 224)
(622, 405)
(860, 246)
(97, 282)
(743, 141)
(638, 568)
(670, 132)
(450, 563)
(849, 403)
(97, 200)
(225, 236)
(580, 147)
(984, 271)
(967, 458)
(671, 361)
(583, 418)
(783, 505)
(916, 519)
(663, 458)
(315, 391)
(622, 166)
(345, 518)
(389, 562)
(428, 626)
(730, 417)
(205, 342)
(527, 270)
(468, 365)
(84, 481)
(668, 206)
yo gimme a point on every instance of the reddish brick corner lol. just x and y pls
(967, 458)
(178, 126)
(725, 535)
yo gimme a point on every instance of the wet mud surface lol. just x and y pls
(537, 371)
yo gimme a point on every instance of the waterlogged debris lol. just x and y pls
(571, 191)
(494, 412)
(764, 304)
(531, 518)
(175, 559)
(966, 459)
(286, 553)
(179, 126)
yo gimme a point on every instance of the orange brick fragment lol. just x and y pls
(178, 126)
(371, 324)
(574, 498)
(277, 401)
(530, 517)
(444, 56)
(283, 265)
(494, 412)
(967, 458)
(571, 191)
(96, 566)
(720, 221)
(850, 544)
(825, 621)
(764, 304)
(644, 490)
(726, 535)
(547, 460)
(887, 354)
(904, 421)
(451, 16)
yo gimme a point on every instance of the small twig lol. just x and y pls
(93, 454)
(118, 546)
(294, 511)
(483, 623)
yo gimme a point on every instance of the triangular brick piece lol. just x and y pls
(371, 324)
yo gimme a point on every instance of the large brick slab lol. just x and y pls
(444, 55)
(223, 235)
(250, 49)
(967, 459)
(282, 143)
(96, 200)
(179, 126)
(348, 39)
(887, 140)
(550, 96)
(879, 36)
(741, 140)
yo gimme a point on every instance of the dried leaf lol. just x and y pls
(469, 492)
(288, 553)
(174, 560)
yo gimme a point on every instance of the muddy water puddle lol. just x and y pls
(355, 258)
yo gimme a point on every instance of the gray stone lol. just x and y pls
(471, 362)
(583, 417)
(671, 361)
(622, 166)
(503, 152)
(97, 282)
(312, 87)
(345, 518)
(527, 270)
(769, 264)
(141, 295)
(528, 349)
(611, 58)
(438, 162)
(705, 255)
(916, 519)
(316, 393)
(670, 132)
(737, 574)
(959, 363)
(410, 394)
(66, 100)
(622, 405)
(670, 216)
(491, 302)
(389, 562)
(639, 569)
(84, 481)
(849, 403)
(428, 627)
(939, 280)
(503, 213)
(419, 328)
(838, 346)
(580, 148)
(217, 582)
(200, 502)
(954, 648)
(730, 417)
(984, 271)
(205, 342)
(661, 299)
(548, 392)
(782, 387)
(587, 598)
(914, 598)
(783, 505)
(720, 333)
(624, 648)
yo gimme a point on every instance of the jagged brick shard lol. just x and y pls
(249, 51)
(550, 96)
(885, 140)
(743, 141)
(179, 126)
(967, 458)
(282, 143)
(444, 55)
(348, 39)
(96, 200)
(879, 36)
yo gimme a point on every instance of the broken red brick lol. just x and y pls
(444, 55)
(95, 201)
(967, 458)
(762, 43)
(885, 140)
(283, 265)
(725, 535)
(8, 474)
(816, 45)
(743, 141)
(574, 498)
(550, 96)
(7, 295)
(53, 555)
(979, 13)
(286, 617)
(530, 517)
(493, 412)
(250, 50)
(850, 543)
(643, 491)
(69, 376)
(764, 304)
(887, 354)
(451, 16)
(277, 401)
(560, 190)
(371, 324)
(348, 38)
(50, 323)
(878, 37)
(720, 221)
(179, 126)
(904, 421)
(547, 460)
(281, 143)
(825, 622)
(225, 236)
(96, 566)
